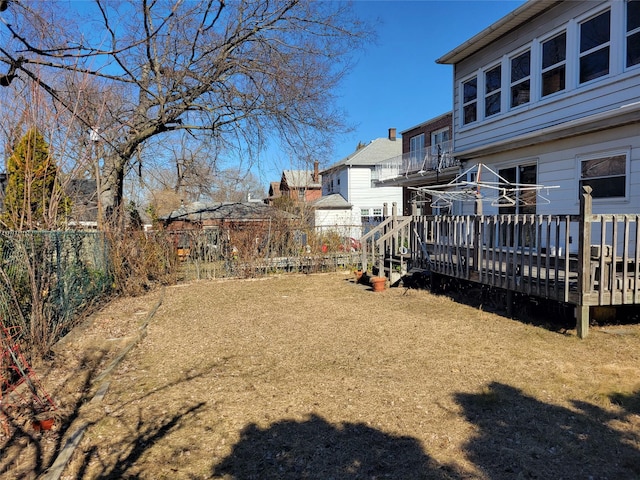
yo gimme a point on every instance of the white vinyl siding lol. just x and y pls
(556, 95)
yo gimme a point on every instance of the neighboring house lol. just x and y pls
(550, 95)
(334, 213)
(242, 224)
(301, 185)
(354, 178)
(274, 192)
(426, 160)
(220, 215)
(84, 207)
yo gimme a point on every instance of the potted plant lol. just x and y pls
(378, 283)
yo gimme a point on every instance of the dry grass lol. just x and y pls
(316, 377)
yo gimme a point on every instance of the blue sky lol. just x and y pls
(396, 83)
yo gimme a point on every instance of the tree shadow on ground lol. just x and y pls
(521, 437)
(23, 430)
(144, 435)
(316, 449)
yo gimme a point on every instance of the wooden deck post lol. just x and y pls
(477, 239)
(584, 262)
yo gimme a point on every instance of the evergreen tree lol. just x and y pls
(33, 196)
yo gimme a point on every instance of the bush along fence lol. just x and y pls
(48, 279)
(251, 252)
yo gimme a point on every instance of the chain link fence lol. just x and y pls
(48, 279)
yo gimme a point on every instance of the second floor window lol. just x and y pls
(633, 33)
(470, 101)
(416, 145)
(439, 138)
(595, 36)
(554, 59)
(520, 79)
(492, 99)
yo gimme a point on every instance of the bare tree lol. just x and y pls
(234, 185)
(239, 72)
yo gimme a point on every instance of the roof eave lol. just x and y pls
(523, 14)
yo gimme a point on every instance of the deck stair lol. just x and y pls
(386, 249)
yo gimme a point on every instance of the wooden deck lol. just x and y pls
(587, 260)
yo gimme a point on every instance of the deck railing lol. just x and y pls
(429, 159)
(513, 252)
(532, 254)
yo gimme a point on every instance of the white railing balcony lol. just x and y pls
(434, 158)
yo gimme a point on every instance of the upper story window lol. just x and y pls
(416, 143)
(595, 37)
(606, 174)
(439, 139)
(554, 68)
(633, 32)
(470, 100)
(492, 98)
(521, 79)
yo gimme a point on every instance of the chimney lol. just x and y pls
(392, 134)
(316, 175)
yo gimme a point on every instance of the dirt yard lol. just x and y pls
(317, 377)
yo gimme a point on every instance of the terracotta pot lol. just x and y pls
(378, 283)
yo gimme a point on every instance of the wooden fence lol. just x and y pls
(586, 260)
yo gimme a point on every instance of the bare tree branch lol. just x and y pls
(244, 72)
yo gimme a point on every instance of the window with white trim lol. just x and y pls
(492, 90)
(595, 41)
(554, 64)
(606, 174)
(470, 101)
(633, 33)
(521, 79)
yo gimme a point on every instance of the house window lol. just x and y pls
(595, 36)
(520, 79)
(554, 58)
(439, 139)
(377, 212)
(365, 219)
(519, 202)
(633, 32)
(416, 145)
(606, 175)
(470, 101)
(492, 91)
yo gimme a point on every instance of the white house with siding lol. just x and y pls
(354, 179)
(550, 94)
(333, 213)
